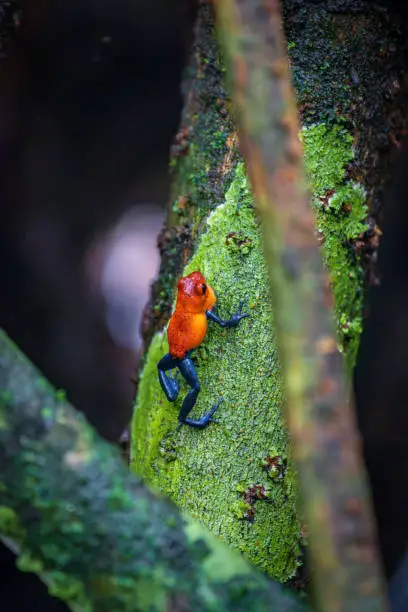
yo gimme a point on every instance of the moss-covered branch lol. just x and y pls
(101, 540)
(212, 226)
(336, 500)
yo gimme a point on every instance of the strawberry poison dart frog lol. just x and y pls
(186, 331)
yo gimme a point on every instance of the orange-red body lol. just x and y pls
(188, 324)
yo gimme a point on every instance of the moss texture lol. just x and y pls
(211, 472)
(341, 216)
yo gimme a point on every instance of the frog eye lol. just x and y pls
(200, 289)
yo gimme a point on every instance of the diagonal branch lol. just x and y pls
(335, 496)
(98, 537)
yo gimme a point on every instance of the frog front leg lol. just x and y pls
(228, 323)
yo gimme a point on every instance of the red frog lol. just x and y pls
(186, 331)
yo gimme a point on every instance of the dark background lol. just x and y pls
(90, 99)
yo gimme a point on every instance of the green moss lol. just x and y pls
(327, 152)
(201, 470)
(240, 509)
(9, 523)
(341, 218)
(27, 563)
(59, 584)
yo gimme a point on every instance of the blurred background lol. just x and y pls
(90, 99)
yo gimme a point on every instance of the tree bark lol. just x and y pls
(348, 64)
(335, 500)
(345, 112)
(235, 476)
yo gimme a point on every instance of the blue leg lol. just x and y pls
(188, 372)
(228, 323)
(169, 384)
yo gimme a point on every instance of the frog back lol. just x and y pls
(186, 331)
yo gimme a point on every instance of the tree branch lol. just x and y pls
(101, 540)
